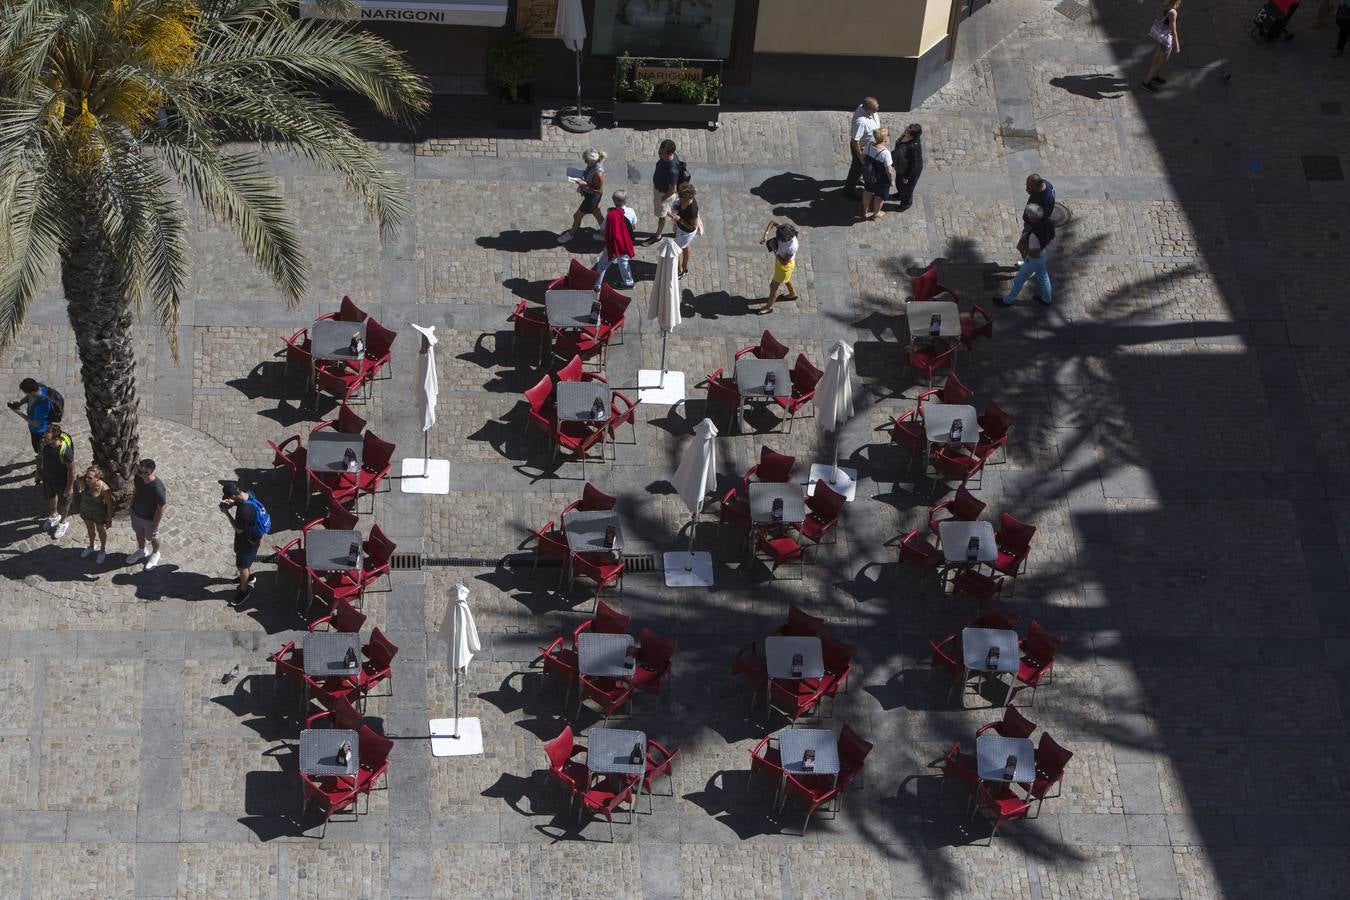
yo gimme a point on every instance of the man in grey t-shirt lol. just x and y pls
(147, 509)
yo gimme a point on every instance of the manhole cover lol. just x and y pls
(1322, 168)
(1070, 9)
(1331, 108)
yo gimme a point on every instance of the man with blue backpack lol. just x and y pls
(41, 406)
(251, 523)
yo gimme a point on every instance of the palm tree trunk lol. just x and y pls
(100, 314)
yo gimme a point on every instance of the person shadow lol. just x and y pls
(1096, 86)
(788, 191)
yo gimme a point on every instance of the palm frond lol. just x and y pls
(30, 234)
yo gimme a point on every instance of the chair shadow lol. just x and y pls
(726, 800)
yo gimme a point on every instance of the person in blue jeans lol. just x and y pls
(37, 412)
(1036, 237)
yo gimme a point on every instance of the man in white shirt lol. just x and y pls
(866, 119)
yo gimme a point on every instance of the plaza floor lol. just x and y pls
(1179, 444)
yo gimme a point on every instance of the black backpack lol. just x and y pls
(875, 169)
(58, 402)
(683, 177)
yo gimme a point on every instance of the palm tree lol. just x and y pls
(114, 112)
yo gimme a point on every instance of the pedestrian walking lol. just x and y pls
(1167, 41)
(251, 523)
(866, 119)
(670, 173)
(41, 405)
(1342, 27)
(1036, 239)
(591, 187)
(96, 509)
(619, 224)
(783, 245)
(58, 477)
(1041, 193)
(909, 164)
(878, 174)
(149, 499)
(684, 213)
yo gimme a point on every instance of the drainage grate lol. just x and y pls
(1070, 9)
(1322, 168)
(406, 562)
(1015, 139)
(639, 562)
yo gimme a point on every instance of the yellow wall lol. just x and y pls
(894, 28)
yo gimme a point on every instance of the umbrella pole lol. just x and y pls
(693, 523)
(426, 452)
(834, 475)
(578, 82)
(454, 664)
(664, 335)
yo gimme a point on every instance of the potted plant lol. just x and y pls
(690, 94)
(512, 64)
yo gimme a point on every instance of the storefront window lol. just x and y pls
(697, 29)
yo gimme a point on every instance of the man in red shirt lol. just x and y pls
(619, 224)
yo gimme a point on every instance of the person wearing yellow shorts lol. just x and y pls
(783, 246)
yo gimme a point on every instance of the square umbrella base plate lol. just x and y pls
(652, 390)
(423, 476)
(846, 482)
(443, 742)
(698, 574)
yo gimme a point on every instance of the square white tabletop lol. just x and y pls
(991, 758)
(604, 655)
(977, 642)
(919, 316)
(609, 751)
(779, 650)
(794, 742)
(937, 422)
(762, 495)
(955, 536)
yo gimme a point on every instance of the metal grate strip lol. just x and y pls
(406, 562)
(639, 562)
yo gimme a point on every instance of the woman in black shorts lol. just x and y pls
(684, 213)
(592, 189)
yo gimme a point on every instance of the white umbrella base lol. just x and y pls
(443, 742)
(425, 476)
(685, 569)
(845, 482)
(652, 390)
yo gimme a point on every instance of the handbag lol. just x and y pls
(1161, 32)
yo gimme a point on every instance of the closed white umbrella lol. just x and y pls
(570, 27)
(695, 477)
(425, 389)
(834, 396)
(461, 639)
(663, 303)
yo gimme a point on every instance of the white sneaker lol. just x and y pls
(61, 530)
(100, 558)
(50, 521)
(87, 552)
(152, 561)
(137, 556)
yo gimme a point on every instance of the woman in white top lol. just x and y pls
(1167, 41)
(783, 245)
(878, 174)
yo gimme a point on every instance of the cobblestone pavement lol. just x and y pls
(1179, 442)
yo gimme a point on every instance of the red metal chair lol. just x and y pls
(605, 800)
(551, 543)
(804, 377)
(779, 550)
(578, 278)
(814, 791)
(974, 325)
(291, 558)
(772, 467)
(1051, 760)
(542, 413)
(1012, 725)
(333, 794)
(976, 585)
(297, 351)
(655, 655)
(577, 438)
(339, 714)
(288, 664)
(376, 552)
(562, 751)
(373, 752)
(928, 359)
(723, 392)
(822, 513)
(769, 347)
(605, 620)
(963, 507)
(927, 286)
(570, 372)
(344, 618)
(592, 500)
(1001, 804)
(580, 343)
(952, 392)
(332, 588)
(613, 309)
(609, 694)
(378, 666)
(350, 312)
(605, 573)
(749, 662)
(994, 427)
(347, 422)
(907, 431)
(993, 614)
(529, 324)
(794, 698)
(339, 492)
(377, 459)
(340, 519)
(947, 658)
(853, 752)
(1014, 545)
(341, 384)
(622, 411)
(915, 549)
(961, 767)
(561, 662)
(291, 460)
(660, 762)
(765, 759)
(1037, 665)
(838, 659)
(377, 364)
(800, 624)
(735, 508)
(955, 464)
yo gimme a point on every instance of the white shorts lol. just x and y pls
(661, 204)
(683, 238)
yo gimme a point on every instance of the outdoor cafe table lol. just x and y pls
(329, 550)
(955, 538)
(609, 752)
(750, 376)
(991, 758)
(324, 456)
(919, 315)
(794, 742)
(319, 748)
(330, 340)
(571, 309)
(586, 531)
(576, 401)
(976, 644)
(762, 495)
(778, 652)
(605, 655)
(326, 653)
(938, 418)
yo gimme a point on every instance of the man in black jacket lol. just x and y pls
(908, 164)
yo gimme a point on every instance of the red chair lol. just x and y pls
(622, 411)
(378, 665)
(907, 431)
(961, 767)
(604, 573)
(804, 379)
(1012, 725)
(769, 347)
(577, 438)
(955, 464)
(853, 752)
(660, 761)
(772, 467)
(340, 492)
(1001, 804)
(928, 359)
(579, 343)
(947, 658)
(571, 371)
(291, 558)
(292, 460)
(608, 693)
(765, 759)
(822, 513)
(952, 392)
(333, 794)
(927, 286)
(374, 750)
(1051, 760)
(794, 698)
(542, 413)
(974, 325)
(735, 508)
(561, 662)
(606, 620)
(333, 588)
(562, 767)
(347, 422)
(963, 507)
(297, 351)
(378, 551)
(344, 618)
(1037, 665)
(341, 384)
(723, 392)
(339, 519)
(800, 624)
(592, 500)
(915, 549)
(350, 312)
(613, 307)
(994, 427)
(976, 585)
(552, 544)
(339, 714)
(578, 278)
(779, 550)
(838, 659)
(814, 791)
(749, 662)
(531, 325)
(606, 800)
(994, 614)
(654, 660)
(377, 364)
(1014, 545)
(377, 458)
(288, 664)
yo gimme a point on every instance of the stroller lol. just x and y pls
(1271, 19)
